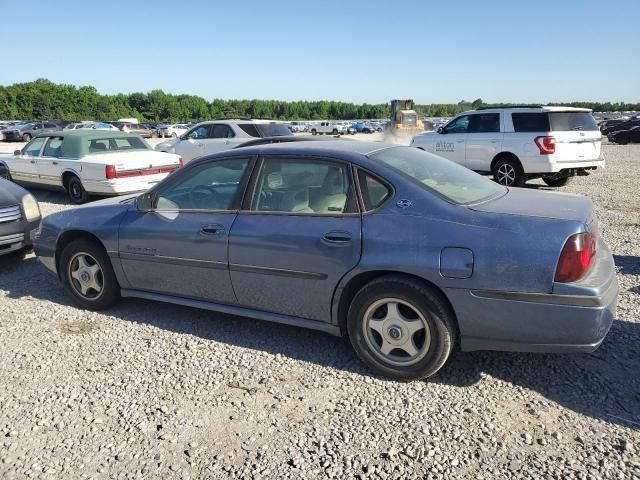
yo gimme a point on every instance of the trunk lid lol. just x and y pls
(577, 136)
(143, 160)
(535, 203)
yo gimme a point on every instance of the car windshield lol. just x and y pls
(450, 180)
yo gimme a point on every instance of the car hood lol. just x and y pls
(10, 194)
(166, 145)
(537, 203)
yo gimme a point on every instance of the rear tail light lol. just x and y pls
(546, 145)
(110, 172)
(181, 163)
(575, 258)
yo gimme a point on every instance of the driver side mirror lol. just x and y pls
(144, 202)
(17, 153)
(441, 130)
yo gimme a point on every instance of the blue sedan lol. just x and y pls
(405, 252)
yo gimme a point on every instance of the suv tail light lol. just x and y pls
(546, 145)
(110, 172)
(575, 258)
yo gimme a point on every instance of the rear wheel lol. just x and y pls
(335, 131)
(622, 139)
(88, 276)
(174, 134)
(26, 137)
(4, 173)
(314, 132)
(401, 328)
(507, 171)
(76, 191)
(557, 181)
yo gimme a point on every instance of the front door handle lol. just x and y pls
(32, 161)
(55, 163)
(337, 237)
(212, 230)
(460, 141)
(495, 140)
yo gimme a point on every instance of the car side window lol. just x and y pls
(373, 191)
(302, 186)
(49, 125)
(53, 147)
(458, 125)
(221, 131)
(32, 149)
(211, 186)
(199, 132)
(484, 123)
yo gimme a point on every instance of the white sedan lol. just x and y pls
(89, 162)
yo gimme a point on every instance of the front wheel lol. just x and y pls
(314, 132)
(622, 139)
(26, 137)
(76, 191)
(557, 181)
(174, 135)
(334, 131)
(88, 275)
(401, 328)
(508, 172)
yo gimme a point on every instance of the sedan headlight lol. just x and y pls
(30, 208)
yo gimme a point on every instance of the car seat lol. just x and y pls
(331, 197)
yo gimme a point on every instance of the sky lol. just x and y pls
(371, 51)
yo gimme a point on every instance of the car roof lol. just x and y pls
(337, 145)
(526, 109)
(88, 134)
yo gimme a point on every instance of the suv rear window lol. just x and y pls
(569, 121)
(265, 129)
(553, 121)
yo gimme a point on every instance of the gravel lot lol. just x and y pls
(150, 390)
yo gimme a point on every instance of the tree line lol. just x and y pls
(43, 99)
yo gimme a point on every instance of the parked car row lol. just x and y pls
(392, 246)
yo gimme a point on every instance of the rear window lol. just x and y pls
(569, 121)
(448, 179)
(553, 121)
(261, 130)
(117, 144)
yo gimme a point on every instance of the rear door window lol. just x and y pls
(373, 191)
(530, 122)
(221, 131)
(53, 147)
(484, 123)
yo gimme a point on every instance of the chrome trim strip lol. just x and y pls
(234, 267)
(550, 298)
(186, 262)
(9, 239)
(10, 214)
(235, 310)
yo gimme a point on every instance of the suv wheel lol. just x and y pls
(88, 276)
(26, 137)
(76, 191)
(335, 131)
(508, 172)
(314, 131)
(622, 139)
(401, 328)
(557, 181)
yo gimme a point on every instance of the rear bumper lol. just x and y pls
(547, 164)
(575, 318)
(123, 186)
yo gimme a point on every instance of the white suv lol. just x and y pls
(215, 136)
(328, 128)
(519, 143)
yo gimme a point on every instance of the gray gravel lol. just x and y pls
(149, 390)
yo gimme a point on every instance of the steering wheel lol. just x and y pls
(200, 195)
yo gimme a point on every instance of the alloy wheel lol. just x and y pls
(396, 332)
(506, 174)
(86, 276)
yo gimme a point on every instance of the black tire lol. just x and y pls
(557, 182)
(422, 300)
(110, 292)
(76, 191)
(314, 132)
(26, 137)
(5, 173)
(507, 171)
(174, 135)
(335, 131)
(622, 139)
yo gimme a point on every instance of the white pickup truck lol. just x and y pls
(329, 128)
(520, 143)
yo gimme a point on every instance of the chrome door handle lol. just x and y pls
(495, 140)
(32, 161)
(460, 141)
(337, 237)
(54, 163)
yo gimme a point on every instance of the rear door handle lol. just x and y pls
(212, 229)
(55, 163)
(337, 237)
(495, 140)
(460, 141)
(32, 161)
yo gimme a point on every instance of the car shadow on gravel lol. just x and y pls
(55, 197)
(628, 264)
(599, 384)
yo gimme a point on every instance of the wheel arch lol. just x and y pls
(69, 236)
(502, 155)
(66, 176)
(354, 284)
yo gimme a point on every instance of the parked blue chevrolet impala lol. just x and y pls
(404, 251)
